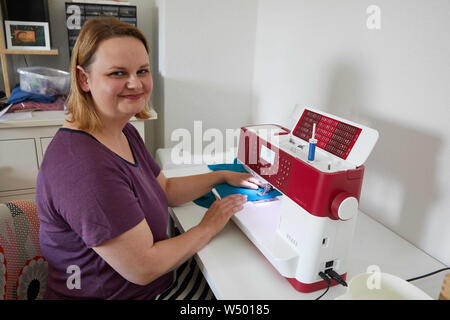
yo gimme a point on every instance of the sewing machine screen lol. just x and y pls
(267, 154)
(332, 135)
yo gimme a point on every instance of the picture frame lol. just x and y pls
(27, 35)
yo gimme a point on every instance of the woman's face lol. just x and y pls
(119, 78)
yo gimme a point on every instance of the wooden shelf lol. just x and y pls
(53, 52)
(4, 52)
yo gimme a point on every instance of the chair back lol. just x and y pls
(23, 269)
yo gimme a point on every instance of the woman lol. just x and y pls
(102, 199)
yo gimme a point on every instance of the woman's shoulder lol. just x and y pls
(71, 151)
(69, 142)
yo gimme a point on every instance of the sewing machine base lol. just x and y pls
(311, 287)
(260, 222)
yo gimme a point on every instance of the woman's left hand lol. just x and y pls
(242, 180)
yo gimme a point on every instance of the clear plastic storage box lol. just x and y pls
(43, 80)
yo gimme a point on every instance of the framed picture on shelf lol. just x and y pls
(24, 35)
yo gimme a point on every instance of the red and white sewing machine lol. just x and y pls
(308, 229)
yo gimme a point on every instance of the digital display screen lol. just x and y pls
(332, 135)
(267, 154)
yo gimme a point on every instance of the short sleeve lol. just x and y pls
(98, 203)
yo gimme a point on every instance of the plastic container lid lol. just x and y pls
(43, 71)
(44, 80)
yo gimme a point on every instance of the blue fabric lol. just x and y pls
(235, 166)
(18, 95)
(225, 189)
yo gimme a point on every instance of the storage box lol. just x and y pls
(43, 80)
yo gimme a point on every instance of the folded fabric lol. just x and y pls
(225, 189)
(58, 104)
(18, 95)
(235, 166)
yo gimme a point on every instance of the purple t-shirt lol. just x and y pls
(86, 194)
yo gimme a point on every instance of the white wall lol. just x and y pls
(396, 80)
(206, 64)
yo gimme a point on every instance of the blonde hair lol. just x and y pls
(79, 103)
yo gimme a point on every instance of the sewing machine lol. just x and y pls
(318, 168)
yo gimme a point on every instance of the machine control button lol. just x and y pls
(344, 206)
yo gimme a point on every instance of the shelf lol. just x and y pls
(54, 118)
(4, 52)
(53, 52)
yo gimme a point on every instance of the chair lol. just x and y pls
(23, 269)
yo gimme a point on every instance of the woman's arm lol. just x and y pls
(136, 257)
(180, 190)
(140, 260)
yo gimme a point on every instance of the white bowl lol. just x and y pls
(381, 286)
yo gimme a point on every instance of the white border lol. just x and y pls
(9, 45)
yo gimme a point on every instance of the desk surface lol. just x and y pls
(236, 269)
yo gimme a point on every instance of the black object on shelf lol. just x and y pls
(25, 10)
(78, 13)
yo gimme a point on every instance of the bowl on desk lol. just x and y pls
(381, 286)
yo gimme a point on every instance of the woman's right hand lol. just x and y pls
(221, 211)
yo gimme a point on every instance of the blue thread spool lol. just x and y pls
(312, 145)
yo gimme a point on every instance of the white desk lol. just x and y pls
(235, 269)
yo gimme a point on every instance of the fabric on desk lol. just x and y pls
(18, 95)
(235, 166)
(225, 189)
